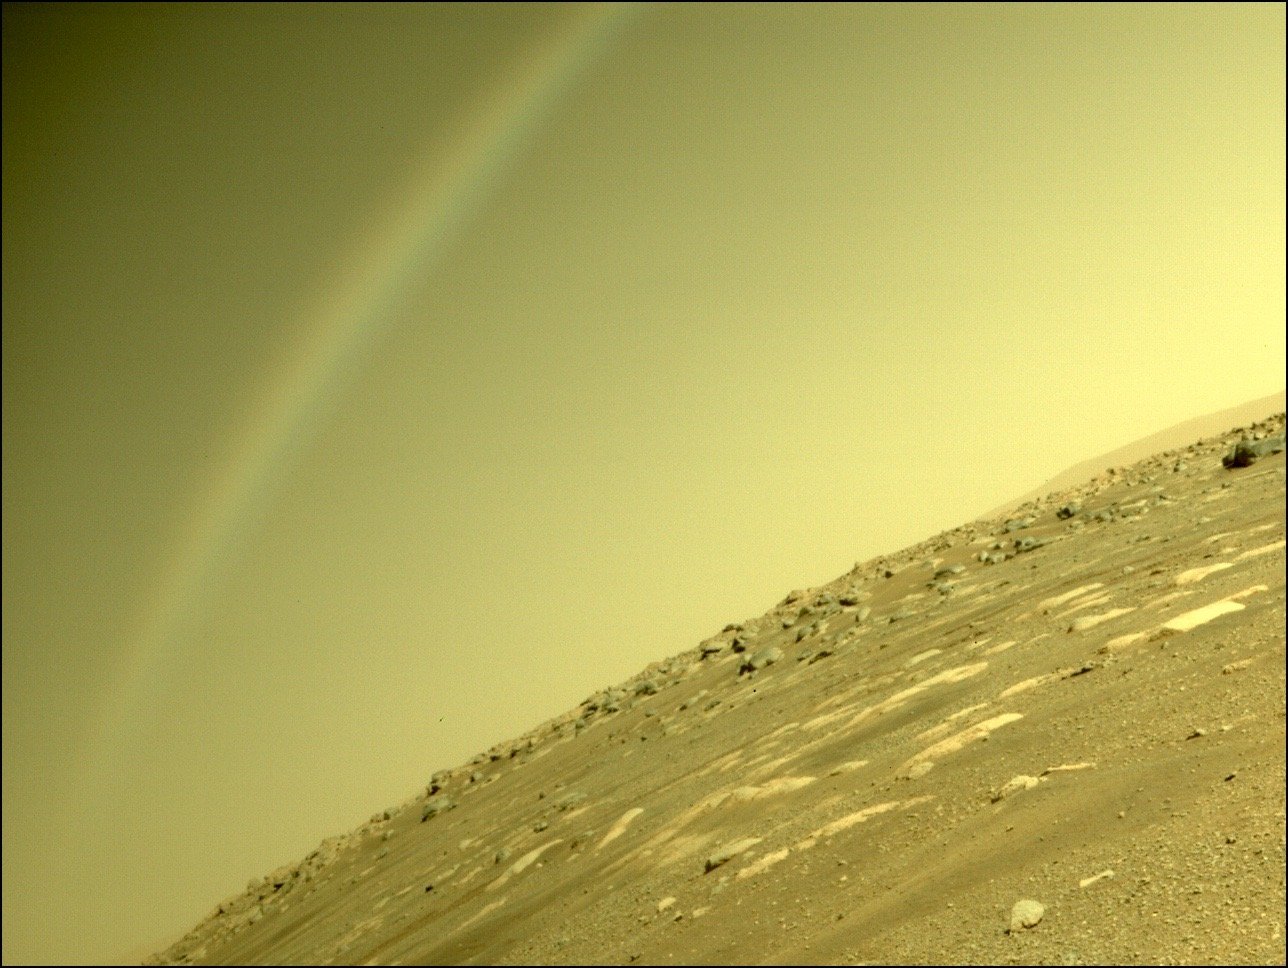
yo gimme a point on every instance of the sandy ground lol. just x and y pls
(1095, 724)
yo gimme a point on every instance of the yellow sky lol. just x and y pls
(381, 380)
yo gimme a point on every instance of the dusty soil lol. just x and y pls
(930, 747)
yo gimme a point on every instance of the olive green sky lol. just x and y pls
(724, 299)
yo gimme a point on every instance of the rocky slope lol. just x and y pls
(1054, 739)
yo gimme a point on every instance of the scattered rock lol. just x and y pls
(1068, 510)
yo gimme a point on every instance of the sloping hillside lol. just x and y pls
(1055, 739)
(1178, 436)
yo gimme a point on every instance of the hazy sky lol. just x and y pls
(380, 381)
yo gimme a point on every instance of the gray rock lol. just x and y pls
(435, 807)
(646, 688)
(502, 855)
(1069, 510)
(758, 660)
(1028, 544)
(1018, 524)
(1247, 452)
(728, 853)
(712, 647)
(569, 800)
(949, 571)
(1026, 914)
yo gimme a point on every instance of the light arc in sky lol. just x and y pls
(346, 319)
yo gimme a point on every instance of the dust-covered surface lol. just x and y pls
(1083, 712)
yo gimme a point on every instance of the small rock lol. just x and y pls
(758, 660)
(1026, 914)
(569, 800)
(712, 647)
(728, 853)
(1014, 785)
(435, 807)
(1107, 874)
